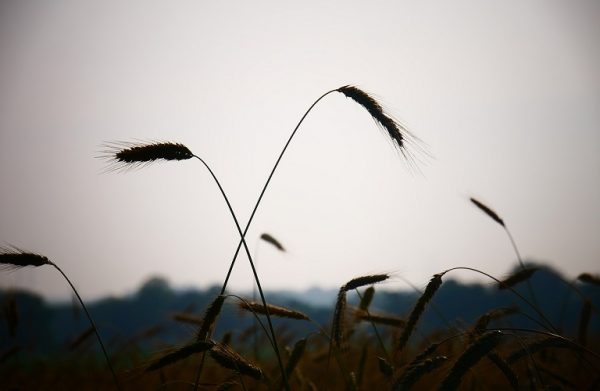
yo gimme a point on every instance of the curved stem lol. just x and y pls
(87, 313)
(377, 335)
(262, 193)
(514, 245)
(260, 291)
(509, 288)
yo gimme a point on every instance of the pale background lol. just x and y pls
(504, 95)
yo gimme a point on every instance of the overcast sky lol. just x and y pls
(505, 96)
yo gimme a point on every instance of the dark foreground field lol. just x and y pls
(472, 337)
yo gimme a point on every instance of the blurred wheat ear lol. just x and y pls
(270, 239)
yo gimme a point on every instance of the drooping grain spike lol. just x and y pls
(179, 354)
(432, 287)
(274, 310)
(488, 211)
(483, 321)
(337, 328)
(228, 358)
(478, 349)
(270, 239)
(187, 318)
(413, 373)
(387, 320)
(210, 316)
(365, 280)
(295, 356)
(517, 277)
(394, 130)
(427, 352)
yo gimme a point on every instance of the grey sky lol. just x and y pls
(505, 95)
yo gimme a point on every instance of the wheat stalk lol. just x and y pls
(494, 216)
(13, 257)
(122, 155)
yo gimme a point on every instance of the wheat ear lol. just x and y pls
(14, 257)
(415, 314)
(124, 155)
(477, 350)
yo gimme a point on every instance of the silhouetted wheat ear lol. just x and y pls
(295, 356)
(483, 321)
(211, 314)
(337, 327)
(429, 350)
(517, 277)
(187, 318)
(477, 350)
(584, 321)
(396, 132)
(589, 278)
(366, 299)
(413, 373)
(127, 154)
(364, 280)
(432, 287)
(503, 366)
(387, 320)
(488, 211)
(13, 257)
(274, 310)
(230, 359)
(179, 354)
(270, 239)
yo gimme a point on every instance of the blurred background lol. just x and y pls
(504, 97)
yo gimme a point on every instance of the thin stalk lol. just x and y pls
(260, 291)
(511, 289)
(262, 193)
(243, 235)
(377, 335)
(87, 313)
(514, 245)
